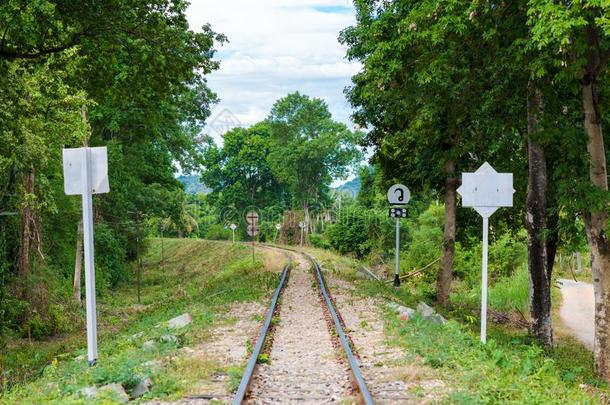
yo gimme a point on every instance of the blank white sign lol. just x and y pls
(487, 188)
(74, 170)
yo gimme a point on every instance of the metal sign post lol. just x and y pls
(86, 173)
(252, 220)
(398, 195)
(233, 228)
(486, 190)
(277, 231)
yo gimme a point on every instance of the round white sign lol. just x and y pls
(278, 226)
(252, 217)
(399, 195)
(233, 226)
(302, 224)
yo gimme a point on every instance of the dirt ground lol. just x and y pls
(577, 310)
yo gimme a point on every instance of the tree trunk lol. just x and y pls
(27, 221)
(306, 216)
(596, 221)
(444, 277)
(78, 262)
(536, 224)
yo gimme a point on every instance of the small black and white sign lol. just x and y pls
(398, 212)
(399, 195)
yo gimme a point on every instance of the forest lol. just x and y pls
(443, 87)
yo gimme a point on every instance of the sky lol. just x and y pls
(275, 47)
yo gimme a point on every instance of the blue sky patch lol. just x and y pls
(333, 9)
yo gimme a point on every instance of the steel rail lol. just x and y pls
(242, 390)
(353, 362)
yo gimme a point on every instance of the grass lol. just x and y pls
(510, 368)
(198, 277)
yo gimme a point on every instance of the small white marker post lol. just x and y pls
(486, 190)
(86, 173)
(398, 195)
(233, 228)
(277, 231)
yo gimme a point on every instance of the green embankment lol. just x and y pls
(511, 368)
(199, 277)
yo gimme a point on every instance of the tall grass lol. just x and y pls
(511, 293)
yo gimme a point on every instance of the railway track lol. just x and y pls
(303, 367)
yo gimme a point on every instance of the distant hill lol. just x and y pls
(351, 187)
(192, 184)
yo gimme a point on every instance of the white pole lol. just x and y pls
(89, 261)
(397, 265)
(484, 281)
(233, 235)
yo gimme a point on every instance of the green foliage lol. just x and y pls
(509, 368)
(426, 240)
(507, 253)
(76, 74)
(111, 268)
(319, 241)
(511, 293)
(350, 232)
(309, 149)
(218, 232)
(239, 172)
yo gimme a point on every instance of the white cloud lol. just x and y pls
(277, 47)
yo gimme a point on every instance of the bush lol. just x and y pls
(219, 232)
(354, 231)
(506, 254)
(511, 293)
(426, 241)
(319, 241)
(267, 231)
(110, 258)
(508, 274)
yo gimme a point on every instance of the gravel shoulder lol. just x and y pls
(391, 376)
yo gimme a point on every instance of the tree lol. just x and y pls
(139, 71)
(579, 34)
(239, 173)
(417, 94)
(309, 149)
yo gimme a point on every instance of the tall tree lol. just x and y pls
(239, 173)
(140, 70)
(579, 34)
(416, 94)
(309, 149)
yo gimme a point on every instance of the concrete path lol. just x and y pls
(577, 309)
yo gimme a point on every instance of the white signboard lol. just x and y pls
(86, 173)
(486, 190)
(302, 225)
(278, 226)
(74, 161)
(399, 195)
(233, 227)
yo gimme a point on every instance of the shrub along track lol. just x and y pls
(303, 364)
